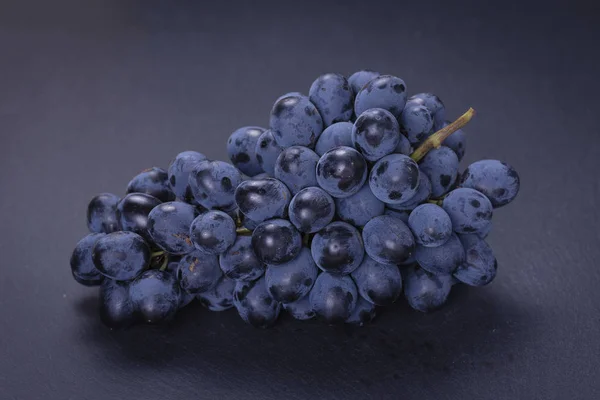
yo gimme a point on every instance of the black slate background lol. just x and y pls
(93, 92)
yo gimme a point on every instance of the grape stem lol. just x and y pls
(434, 141)
(157, 253)
(437, 202)
(243, 231)
(164, 264)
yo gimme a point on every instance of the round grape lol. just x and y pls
(254, 304)
(219, 298)
(156, 296)
(385, 91)
(336, 135)
(341, 172)
(121, 256)
(296, 167)
(169, 226)
(441, 166)
(394, 179)
(290, 281)
(213, 184)
(102, 213)
(469, 210)
(495, 179)
(241, 149)
(441, 260)
(240, 262)
(267, 150)
(333, 297)
(388, 240)
(213, 232)
(363, 313)
(422, 195)
(276, 241)
(378, 283)
(434, 105)
(198, 272)
(375, 133)
(82, 266)
(153, 181)
(359, 208)
(430, 225)
(116, 308)
(480, 266)
(311, 209)
(456, 141)
(359, 79)
(300, 309)
(133, 210)
(338, 248)
(416, 122)
(179, 171)
(262, 199)
(295, 121)
(404, 146)
(332, 96)
(426, 292)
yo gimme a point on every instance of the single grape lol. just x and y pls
(262, 199)
(185, 298)
(441, 166)
(102, 213)
(276, 241)
(485, 232)
(441, 260)
(116, 308)
(300, 309)
(359, 208)
(388, 240)
(426, 292)
(153, 181)
(213, 232)
(359, 79)
(254, 304)
(156, 296)
(469, 210)
(363, 313)
(332, 95)
(402, 215)
(385, 91)
(434, 105)
(311, 209)
(219, 298)
(169, 226)
(133, 210)
(404, 146)
(416, 122)
(296, 167)
(333, 297)
(480, 266)
(121, 256)
(341, 172)
(295, 121)
(82, 266)
(338, 248)
(375, 133)
(240, 262)
(430, 225)
(422, 195)
(336, 135)
(495, 179)
(456, 141)
(378, 283)
(241, 149)
(394, 179)
(198, 272)
(290, 281)
(267, 150)
(213, 184)
(179, 171)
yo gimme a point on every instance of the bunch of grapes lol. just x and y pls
(352, 197)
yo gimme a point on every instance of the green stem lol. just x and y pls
(164, 264)
(157, 253)
(243, 231)
(437, 202)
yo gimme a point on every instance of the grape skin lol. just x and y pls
(363, 313)
(290, 281)
(262, 199)
(333, 297)
(376, 133)
(240, 262)
(213, 184)
(267, 150)
(441, 166)
(378, 283)
(385, 91)
(82, 265)
(296, 167)
(276, 241)
(441, 260)
(359, 79)
(480, 266)
(121, 256)
(430, 224)
(156, 296)
(359, 208)
(425, 292)
(220, 297)
(404, 146)
(457, 141)
(198, 272)
(241, 149)
(169, 226)
(402, 215)
(102, 213)
(335, 135)
(133, 211)
(435, 106)
(116, 308)
(495, 179)
(416, 122)
(301, 309)
(332, 96)
(394, 179)
(423, 193)
(153, 181)
(295, 121)
(179, 171)
(311, 209)
(469, 210)
(388, 240)
(254, 304)
(341, 172)
(213, 232)
(338, 248)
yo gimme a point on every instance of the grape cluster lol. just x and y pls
(352, 197)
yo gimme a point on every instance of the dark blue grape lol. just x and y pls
(179, 171)
(276, 241)
(290, 281)
(198, 272)
(456, 141)
(311, 209)
(219, 298)
(388, 240)
(156, 296)
(469, 210)
(480, 266)
(254, 304)
(338, 248)
(422, 195)
(241, 149)
(300, 309)
(296, 167)
(213, 184)
(403, 146)
(82, 266)
(333, 297)
(247, 222)
(441, 260)
(116, 308)
(153, 181)
(213, 232)
(336, 135)
(485, 232)
(425, 292)
(295, 121)
(416, 122)
(359, 79)
(102, 213)
(262, 199)
(332, 95)
(185, 298)
(267, 150)
(495, 179)
(375, 133)
(359, 208)
(430, 225)
(394, 179)
(169, 226)
(240, 262)
(378, 283)
(363, 313)
(434, 105)
(342, 171)
(121, 256)
(385, 91)
(133, 210)
(402, 215)
(441, 166)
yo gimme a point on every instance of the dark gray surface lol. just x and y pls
(92, 93)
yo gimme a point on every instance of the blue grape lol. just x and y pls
(116, 308)
(456, 141)
(376, 133)
(276, 241)
(254, 304)
(153, 181)
(469, 210)
(336, 135)
(342, 171)
(441, 166)
(359, 208)
(179, 172)
(213, 184)
(220, 297)
(247, 222)
(416, 122)
(300, 309)
(423, 193)
(311, 209)
(295, 121)
(441, 260)
(480, 266)
(185, 298)
(156, 296)
(241, 149)
(133, 210)
(402, 215)
(333, 297)
(359, 79)
(121, 256)
(240, 262)
(385, 91)
(388, 240)
(332, 96)
(434, 105)
(198, 272)
(404, 146)
(338, 248)
(267, 150)
(82, 265)
(102, 213)
(262, 199)
(296, 167)
(290, 281)
(394, 179)
(363, 313)
(484, 232)
(213, 232)
(495, 179)
(426, 292)
(430, 225)
(378, 283)
(169, 226)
